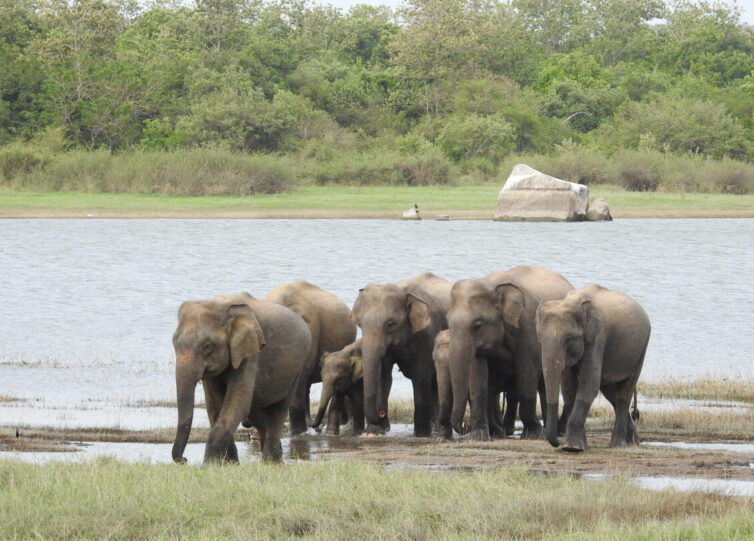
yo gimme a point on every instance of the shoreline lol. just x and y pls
(326, 214)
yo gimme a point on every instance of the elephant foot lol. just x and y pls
(423, 432)
(295, 428)
(575, 443)
(445, 432)
(532, 432)
(374, 430)
(334, 431)
(220, 447)
(246, 423)
(497, 432)
(273, 453)
(481, 433)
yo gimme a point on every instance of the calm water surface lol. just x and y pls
(89, 306)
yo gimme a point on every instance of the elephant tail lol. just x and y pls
(635, 408)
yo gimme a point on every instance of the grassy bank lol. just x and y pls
(106, 499)
(464, 201)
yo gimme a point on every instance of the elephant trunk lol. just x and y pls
(324, 401)
(375, 401)
(185, 386)
(462, 353)
(552, 366)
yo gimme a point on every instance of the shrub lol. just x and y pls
(18, 159)
(639, 171)
(474, 136)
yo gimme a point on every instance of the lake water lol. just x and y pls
(88, 307)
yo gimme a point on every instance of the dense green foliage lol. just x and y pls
(438, 88)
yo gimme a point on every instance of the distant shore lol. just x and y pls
(474, 202)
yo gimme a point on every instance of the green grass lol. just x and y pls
(105, 499)
(478, 198)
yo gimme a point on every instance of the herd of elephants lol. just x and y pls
(525, 333)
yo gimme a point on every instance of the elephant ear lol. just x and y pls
(511, 303)
(356, 310)
(357, 367)
(418, 313)
(245, 334)
(592, 321)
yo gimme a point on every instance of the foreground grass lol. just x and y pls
(107, 499)
(372, 201)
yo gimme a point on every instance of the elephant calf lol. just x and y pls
(342, 377)
(592, 340)
(499, 426)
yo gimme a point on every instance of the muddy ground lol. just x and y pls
(401, 450)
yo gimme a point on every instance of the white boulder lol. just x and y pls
(530, 195)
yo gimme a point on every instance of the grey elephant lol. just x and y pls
(399, 323)
(248, 355)
(331, 327)
(342, 377)
(493, 334)
(506, 385)
(593, 340)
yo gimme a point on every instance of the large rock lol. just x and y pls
(530, 195)
(598, 210)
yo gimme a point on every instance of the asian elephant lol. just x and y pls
(330, 325)
(248, 355)
(504, 425)
(342, 377)
(493, 335)
(592, 340)
(399, 323)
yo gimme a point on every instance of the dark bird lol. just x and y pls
(18, 434)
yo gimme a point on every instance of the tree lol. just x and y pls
(437, 44)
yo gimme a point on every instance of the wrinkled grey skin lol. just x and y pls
(493, 332)
(500, 425)
(592, 340)
(331, 327)
(399, 323)
(342, 377)
(248, 355)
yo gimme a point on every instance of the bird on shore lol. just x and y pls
(18, 434)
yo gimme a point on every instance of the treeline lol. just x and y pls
(436, 89)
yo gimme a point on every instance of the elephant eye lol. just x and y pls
(208, 346)
(477, 325)
(390, 325)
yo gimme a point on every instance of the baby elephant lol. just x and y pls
(592, 340)
(499, 426)
(342, 376)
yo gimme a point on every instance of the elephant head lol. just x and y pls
(212, 337)
(566, 329)
(479, 312)
(388, 316)
(340, 370)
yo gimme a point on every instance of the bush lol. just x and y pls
(474, 136)
(639, 171)
(17, 160)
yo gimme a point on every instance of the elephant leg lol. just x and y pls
(575, 437)
(220, 444)
(568, 386)
(356, 396)
(299, 407)
(337, 405)
(422, 385)
(478, 398)
(494, 414)
(526, 382)
(272, 449)
(624, 430)
(511, 409)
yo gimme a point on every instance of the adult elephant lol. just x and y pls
(342, 377)
(592, 340)
(248, 355)
(492, 324)
(399, 323)
(330, 325)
